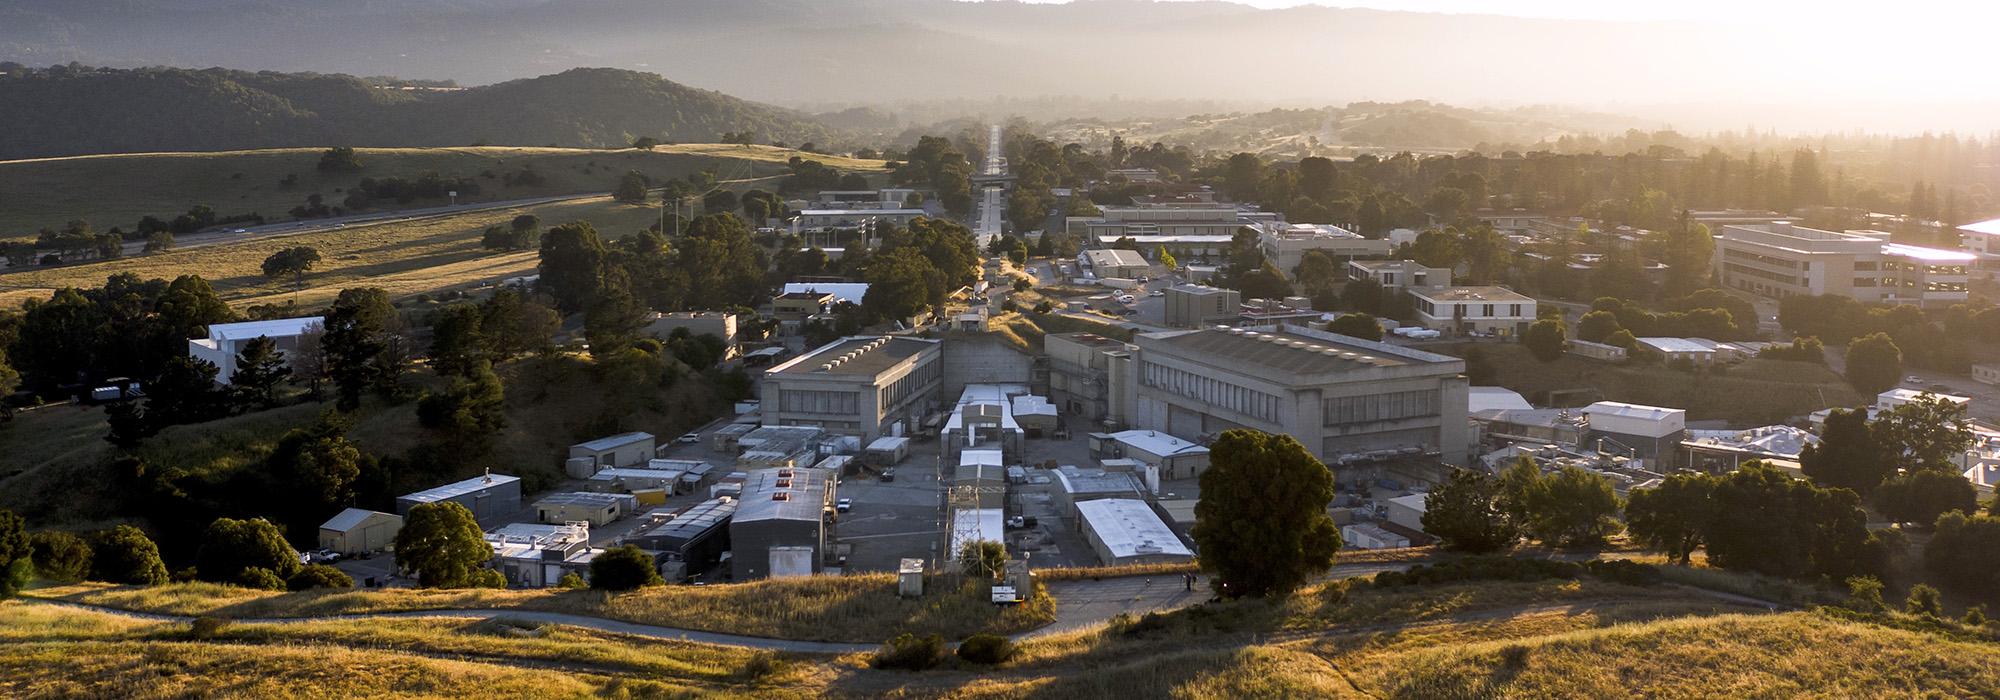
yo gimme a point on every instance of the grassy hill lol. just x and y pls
(66, 112)
(116, 190)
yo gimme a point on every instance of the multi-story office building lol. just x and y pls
(1087, 376)
(1982, 239)
(861, 386)
(1464, 310)
(1195, 305)
(1190, 230)
(1345, 399)
(1782, 259)
(1286, 244)
(1398, 275)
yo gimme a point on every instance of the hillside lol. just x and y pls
(116, 190)
(76, 111)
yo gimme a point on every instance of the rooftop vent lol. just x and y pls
(781, 496)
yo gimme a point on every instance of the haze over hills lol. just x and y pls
(876, 51)
(167, 109)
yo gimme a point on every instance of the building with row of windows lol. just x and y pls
(862, 386)
(1782, 259)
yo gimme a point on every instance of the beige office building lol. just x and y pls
(863, 386)
(1782, 259)
(1088, 376)
(1195, 305)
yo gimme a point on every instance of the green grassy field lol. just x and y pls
(116, 190)
(1753, 393)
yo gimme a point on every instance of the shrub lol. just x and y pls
(206, 627)
(571, 581)
(762, 664)
(986, 648)
(1975, 616)
(1924, 601)
(910, 653)
(260, 577)
(1624, 571)
(60, 556)
(1864, 595)
(623, 568)
(318, 576)
(1514, 657)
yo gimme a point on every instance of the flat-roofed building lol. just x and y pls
(1652, 433)
(779, 528)
(720, 324)
(862, 386)
(598, 509)
(1075, 485)
(621, 450)
(488, 496)
(689, 541)
(811, 220)
(538, 556)
(225, 341)
(1465, 310)
(1114, 263)
(1172, 457)
(792, 307)
(1341, 397)
(1127, 531)
(1087, 375)
(1399, 275)
(1285, 245)
(1196, 305)
(1782, 259)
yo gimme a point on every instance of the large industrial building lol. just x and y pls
(488, 497)
(1087, 376)
(779, 528)
(225, 341)
(1117, 263)
(1349, 401)
(1650, 433)
(1782, 259)
(862, 386)
(687, 542)
(1285, 245)
(1127, 531)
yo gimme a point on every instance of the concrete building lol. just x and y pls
(1195, 306)
(1897, 397)
(793, 307)
(598, 509)
(225, 341)
(1171, 457)
(1465, 310)
(1127, 531)
(1983, 240)
(1075, 485)
(1782, 259)
(1347, 400)
(720, 324)
(1651, 433)
(813, 220)
(1166, 219)
(688, 542)
(848, 292)
(1087, 376)
(621, 450)
(780, 528)
(488, 497)
(1407, 511)
(780, 446)
(861, 386)
(538, 556)
(1680, 350)
(1116, 263)
(1986, 374)
(1371, 536)
(355, 531)
(984, 418)
(1285, 245)
(1399, 275)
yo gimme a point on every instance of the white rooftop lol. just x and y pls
(615, 441)
(888, 443)
(1159, 443)
(454, 490)
(1676, 345)
(1899, 396)
(348, 519)
(1939, 255)
(1129, 528)
(1488, 398)
(862, 212)
(1989, 227)
(1631, 410)
(1413, 501)
(850, 292)
(974, 524)
(275, 328)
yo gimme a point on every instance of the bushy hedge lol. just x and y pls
(985, 648)
(910, 653)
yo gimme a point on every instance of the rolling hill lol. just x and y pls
(67, 111)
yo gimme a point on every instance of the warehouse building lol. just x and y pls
(489, 497)
(861, 386)
(634, 479)
(621, 450)
(597, 509)
(1127, 531)
(1171, 457)
(688, 542)
(225, 341)
(1651, 433)
(780, 525)
(1114, 263)
(354, 531)
(1349, 401)
(1075, 485)
(984, 418)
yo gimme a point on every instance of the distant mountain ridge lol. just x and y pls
(55, 113)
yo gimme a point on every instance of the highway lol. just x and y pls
(992, 202)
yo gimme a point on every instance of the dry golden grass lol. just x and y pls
(863, 608)
(1072, 573)
(118, 189)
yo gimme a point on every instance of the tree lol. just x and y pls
(260, 370)
(1927, 433)
(624, 568)
(16, 554)
(360, 329)
(340, 159)
(1874, 364)
(1963, 549)
(457, 340)
(1364, 295)
(129, 424)
(125, 555)
(514, 324)
(982, 560)
(296, 260)
(1921, 496)
(1166, 259)
(159, 242)
(469, 413)
(901, 283)
(60, 556)
(315, 576)
(1672, 516)
(442, 545)
(1357, 325)
(645, 143)
(614, 319)
(1545, 339)
(183, 393)
(631, 188)
(318, 460)
(1596, 326)
(1924, 600)
(1465, 514)
(1572, 507)
(1261, 523)
(1765, 521)
(229, 547)
(572, 265)
(1848, 455)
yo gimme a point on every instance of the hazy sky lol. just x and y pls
(1776, 14)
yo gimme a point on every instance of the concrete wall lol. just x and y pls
(983, 359)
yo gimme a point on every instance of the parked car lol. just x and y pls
(1913, 379)
(888, 475)
(843, 505)
(689, 439)
(1156, 293)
